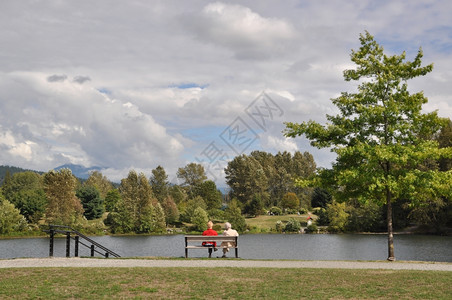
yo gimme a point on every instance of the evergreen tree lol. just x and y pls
(159, 183)
(92, 203)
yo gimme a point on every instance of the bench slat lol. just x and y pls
(210, 238)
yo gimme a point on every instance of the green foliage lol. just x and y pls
(200, 219)
(170, 209)
(177, 193)
(234, 216)
(63, 206)
(192, 175)
(311, 229)
(290, 201)
(190, 207)
(363, 217)
(337, 216)
(112, 199)
(279, 226)
(10, 218)
(292, 225)
(158, 219)
(209, 192)
(216, 214)
(100, 182)
(275, 211)
(320, 198)
(381, 136)
(322, 216)
(159, 183)
(135, 211)
(25, 191)
(255, 207)
(92, 203)
(267, 175)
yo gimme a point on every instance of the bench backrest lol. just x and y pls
(217, 238)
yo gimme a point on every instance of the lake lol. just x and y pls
(255, 246)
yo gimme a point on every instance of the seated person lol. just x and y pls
(210, 232)
(228, 231)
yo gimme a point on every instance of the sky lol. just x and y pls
(136, 84)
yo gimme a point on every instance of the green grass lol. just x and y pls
(221, 283)
(266, 222)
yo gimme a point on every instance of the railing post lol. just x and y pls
(106, 254)
(68, 244)
(92, 250)
(52, 233)
(76, 245)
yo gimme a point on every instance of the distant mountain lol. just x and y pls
(79, 171)
(12, 170)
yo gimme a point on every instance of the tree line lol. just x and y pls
(138, 205)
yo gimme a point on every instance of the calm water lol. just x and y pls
(255, 246)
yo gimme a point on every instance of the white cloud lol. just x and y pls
(245, 32)
(279, 144)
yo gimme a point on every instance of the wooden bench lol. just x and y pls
(198, 239)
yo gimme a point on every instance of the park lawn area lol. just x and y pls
(222, 283)
(267, 222)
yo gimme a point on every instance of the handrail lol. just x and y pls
(68, 231)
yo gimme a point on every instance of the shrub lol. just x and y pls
(199, 219)
(292, 225)
(279, 226)
(311, 229)
(275, 211)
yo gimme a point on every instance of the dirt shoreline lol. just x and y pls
(76, 262)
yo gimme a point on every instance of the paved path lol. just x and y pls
(217, 263)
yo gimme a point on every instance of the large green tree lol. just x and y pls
(192, 175)
(25, 190)
(379, 135)
(159, 183)
(63, 206)
(134, 211)
(100, 182)
(209, 192)
(92, 203)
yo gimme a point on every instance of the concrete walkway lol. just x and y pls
(217, 263)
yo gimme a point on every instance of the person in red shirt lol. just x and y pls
(211, 232)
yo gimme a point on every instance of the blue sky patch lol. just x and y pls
(189, 85)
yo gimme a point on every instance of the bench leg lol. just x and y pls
(236, 252)
(210, 252)
(186, 252)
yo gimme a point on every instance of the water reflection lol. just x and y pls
(255, 246)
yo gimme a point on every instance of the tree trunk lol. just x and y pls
(391, 256)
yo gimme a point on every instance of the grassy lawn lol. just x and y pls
(266, 222)
(221, 283)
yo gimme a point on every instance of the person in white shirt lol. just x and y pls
(228, 231)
